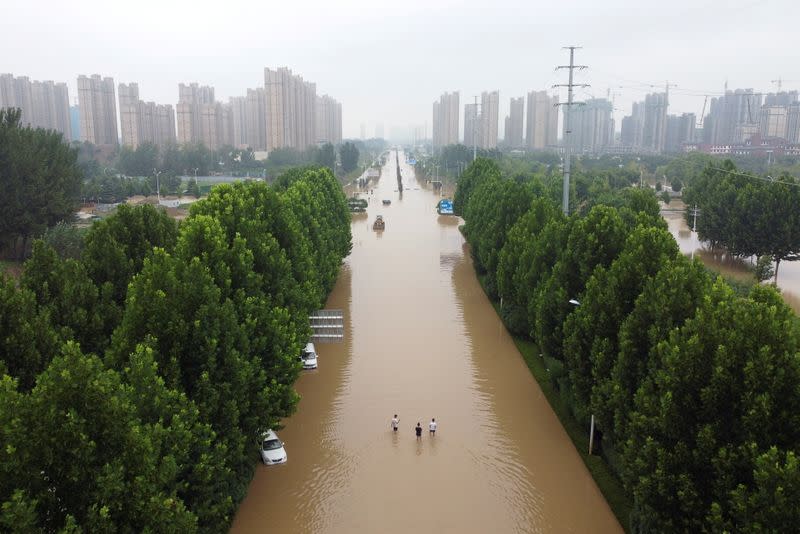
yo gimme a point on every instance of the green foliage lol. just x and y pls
(41, 180)
(747, 216)
(326, 156)
(66, 240)
(480, 170)
(693, 383)
(763, 269)
(725, 393)
(161, 432)
(27, 340)
(115, 248)
(349, 156)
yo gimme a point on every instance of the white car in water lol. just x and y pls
(309, 356)
(272, 451)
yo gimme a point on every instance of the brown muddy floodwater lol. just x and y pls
(422, 341)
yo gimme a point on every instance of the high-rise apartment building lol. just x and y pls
(191, 98)
(291, 107)
(43, 104)
(646, 128)
(256, 119)
(489, 118)
(513, 130)
(144, 122)
(793, 124)
(591, 125)
(329, 120)
(238, 121)
(680, 130)
(542, 127)
(472, 125)
(729, 112)
(98, 110)
(445, 120)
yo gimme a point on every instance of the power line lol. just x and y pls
(767, 178)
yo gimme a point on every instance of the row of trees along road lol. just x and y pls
(694, 387)
(136, 378)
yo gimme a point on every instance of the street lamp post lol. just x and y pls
(158, 186)
(195, 176)
(576, 303)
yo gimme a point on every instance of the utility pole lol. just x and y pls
(694, 225)
(569, 103)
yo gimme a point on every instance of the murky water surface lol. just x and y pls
(422, 341)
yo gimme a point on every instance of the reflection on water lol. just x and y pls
(422, 341)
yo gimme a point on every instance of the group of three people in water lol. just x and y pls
(395, 424)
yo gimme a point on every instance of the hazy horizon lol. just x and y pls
(389, 65)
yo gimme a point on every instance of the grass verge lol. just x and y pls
(610, 486)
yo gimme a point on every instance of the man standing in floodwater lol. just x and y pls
(418, 430)
(432, 426)
(395, 422)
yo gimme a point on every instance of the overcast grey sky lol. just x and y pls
(388, 61)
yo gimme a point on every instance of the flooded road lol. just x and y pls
(422, 341)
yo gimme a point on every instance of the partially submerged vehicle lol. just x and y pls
(445, 207)
(309, 356)
(379, 223)
(386, 201)
(272, 451)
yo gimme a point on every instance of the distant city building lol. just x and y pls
(591, 125)
(445, 120)
(379, 130)
(43, 104)
(680, 130)
(645, 129)
(489, 119)
(98, 110)
(727, 113)
(513, 127)
(774, 121)
(75, 122)
(144, 122)
(472, 126)
(192, 98)
(793, 124)
(291, 108)
(329, 120)
(542, 127)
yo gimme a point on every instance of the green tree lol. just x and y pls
(116, 247)
(41, 180)
(27, 340)
(84, 457)
(478, 171)
(326, 156)
(349, 156)
(724, 394)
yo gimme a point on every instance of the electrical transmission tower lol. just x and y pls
(567, 131)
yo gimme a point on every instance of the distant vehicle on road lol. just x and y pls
(386, 201)
(379, 223)
(309, 356)
(272, 451)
